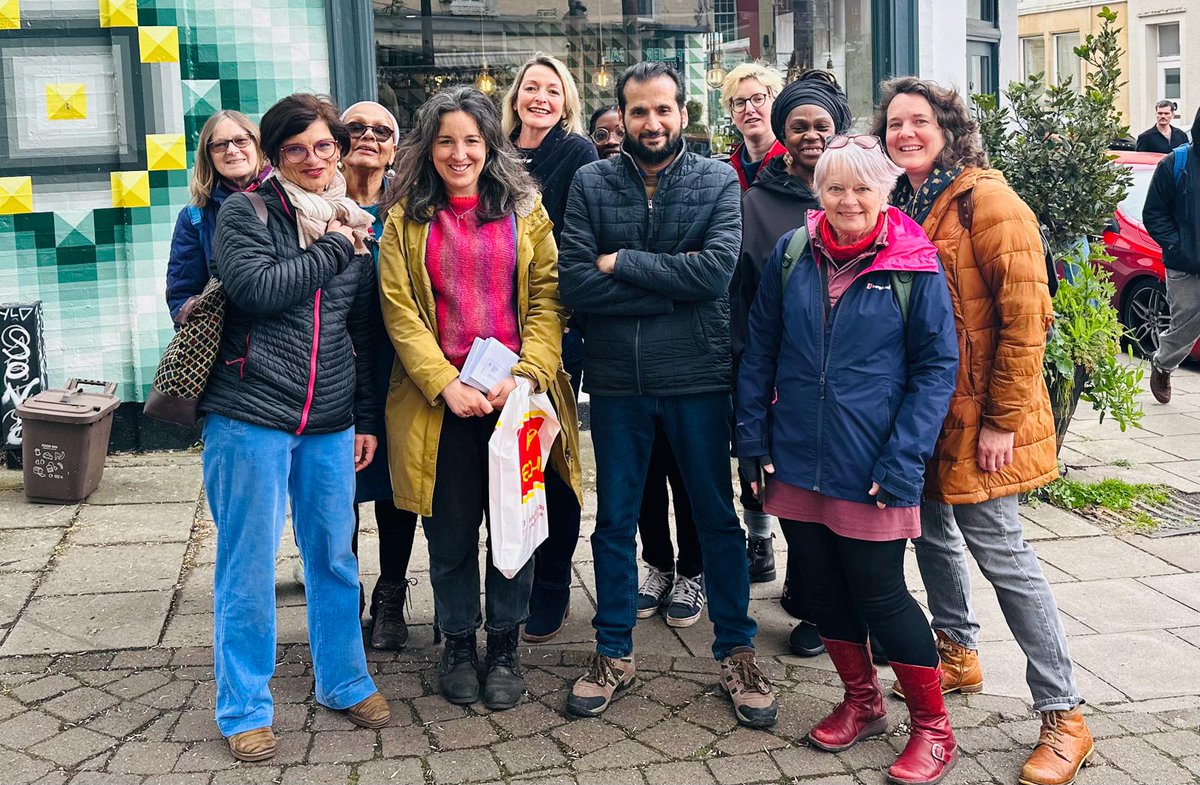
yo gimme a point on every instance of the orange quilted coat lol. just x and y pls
(1002, 309)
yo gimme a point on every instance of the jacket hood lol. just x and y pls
(907, 248)
(774, 177)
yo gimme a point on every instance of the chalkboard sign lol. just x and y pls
(23, 361)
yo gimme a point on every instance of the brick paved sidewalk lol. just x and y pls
(106, 665)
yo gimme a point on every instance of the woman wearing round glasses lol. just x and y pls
(368, 171)
(606, 131)
(228, 160)
(845, 380)
(291, 415)
(749, 92)
(806, 113)
(542, 116)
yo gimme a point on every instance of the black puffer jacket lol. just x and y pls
(659, 325)
(773, 206)
(1172, 212)
(296, 352)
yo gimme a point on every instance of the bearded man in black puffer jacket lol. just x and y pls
(649, 246)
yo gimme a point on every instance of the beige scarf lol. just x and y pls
(314, 211)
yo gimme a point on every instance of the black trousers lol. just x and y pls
(851, 585)
(396, 531)
(653, 523)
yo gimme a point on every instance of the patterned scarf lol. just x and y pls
(917, 203)
(314, 211)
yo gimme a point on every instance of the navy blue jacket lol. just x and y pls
(1172, 212)
(859, 397)
(192, 244)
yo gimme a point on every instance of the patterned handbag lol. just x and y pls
(188, 359)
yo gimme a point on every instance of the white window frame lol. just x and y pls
(1163, 64)
(1077, 80)
(1025, 41)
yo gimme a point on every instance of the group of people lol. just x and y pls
(859, 317)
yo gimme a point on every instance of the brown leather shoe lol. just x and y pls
(1064, 747)
(253, 745)
(960, 668)
(371, 712)
(1160, 384)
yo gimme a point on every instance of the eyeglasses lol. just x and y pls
(865, 141)
(297, 153)
(241, 142)
(739, 104)
(382, 132)
(601, 135)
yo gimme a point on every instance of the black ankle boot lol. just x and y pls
(502, 682)
(389, 630)
(805, 641)
(548, 611)
(762, 559)
(458, 674)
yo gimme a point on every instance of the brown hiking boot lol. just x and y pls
(370, 712)
(960, 668)
(597, 688)
(253, 745)
(753, 698)
(1160, 384)
(1064, 747)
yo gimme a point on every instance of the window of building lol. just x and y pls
(982, 68)
(1066, 62)
(983, 10)
(1169, 62)
(1033, 56)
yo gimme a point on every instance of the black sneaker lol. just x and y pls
(458, 673)
(389, 630)
(503, 686)
(805, 641)
(654, 592)
(687, 601)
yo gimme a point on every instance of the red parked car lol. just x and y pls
(1137, 269)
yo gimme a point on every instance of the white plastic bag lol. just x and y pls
(517, 455)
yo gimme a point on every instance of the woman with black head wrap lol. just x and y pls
(806, 113)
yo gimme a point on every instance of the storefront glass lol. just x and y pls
(425, 45)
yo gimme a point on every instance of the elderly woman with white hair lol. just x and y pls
(849, 365)
(368, 171)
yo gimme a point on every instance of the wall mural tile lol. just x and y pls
(101, 102)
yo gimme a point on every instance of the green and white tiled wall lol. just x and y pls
(101, 102)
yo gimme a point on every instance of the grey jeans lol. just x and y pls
(1183, 296)
(992, 532)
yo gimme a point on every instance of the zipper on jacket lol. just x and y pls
(312, 362)
(637, 356)
(240, 362)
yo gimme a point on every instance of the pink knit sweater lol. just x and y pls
(473, 272)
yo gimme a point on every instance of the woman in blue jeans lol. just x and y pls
(290, 414)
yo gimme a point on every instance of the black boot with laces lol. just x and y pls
(389, 630)
(458, 673)
(503, 685)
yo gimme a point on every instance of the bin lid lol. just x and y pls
(71, 404)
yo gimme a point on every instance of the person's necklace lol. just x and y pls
(464, 214)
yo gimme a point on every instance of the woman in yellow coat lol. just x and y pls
(467, 252)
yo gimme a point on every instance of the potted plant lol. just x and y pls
(1052, 144)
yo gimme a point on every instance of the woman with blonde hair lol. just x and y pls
(749, 92)
(229, 159)
(543, 118)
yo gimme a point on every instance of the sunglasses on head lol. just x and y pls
(241, 142)
(865, 141)
(381, 132)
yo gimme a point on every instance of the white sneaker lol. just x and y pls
(654, 592)
(298, 572)
(687, 601)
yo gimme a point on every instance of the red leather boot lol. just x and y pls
(931, 750)
(861, 712)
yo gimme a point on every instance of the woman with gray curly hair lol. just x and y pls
(998, 440)
(467, 252)
(843, 385)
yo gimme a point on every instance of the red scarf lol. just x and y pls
(840, 254)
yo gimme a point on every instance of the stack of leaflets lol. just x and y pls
(488, 363)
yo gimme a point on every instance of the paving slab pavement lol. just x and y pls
(106, 661)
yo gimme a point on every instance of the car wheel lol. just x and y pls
(1146, 315)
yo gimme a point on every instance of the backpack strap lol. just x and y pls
(966, 209)
(1181, 157)
(793, 252)
(902, 281)
(260, 207)
(195, 216)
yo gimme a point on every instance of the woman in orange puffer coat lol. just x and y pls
(998, 438)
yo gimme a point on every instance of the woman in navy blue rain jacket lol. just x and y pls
(844, 383)
(229, 159)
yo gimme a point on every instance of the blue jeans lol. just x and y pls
(623, 434)
(249, 473)
(992, 532)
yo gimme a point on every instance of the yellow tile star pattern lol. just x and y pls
(66, 101)
(131, 189)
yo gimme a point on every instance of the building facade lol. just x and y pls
(102, 102)
(1049, 31)
(1164, 41)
